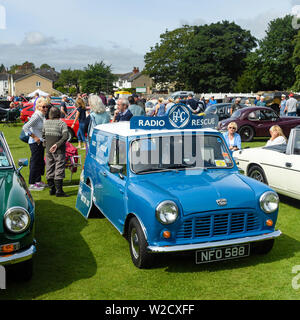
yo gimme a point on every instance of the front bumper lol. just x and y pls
(18, 256)
(213, 244)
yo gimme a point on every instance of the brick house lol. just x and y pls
(134, 79)
(27, 83)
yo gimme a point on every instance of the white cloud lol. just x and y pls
(37, 39)
(259, 23)
(39, 49)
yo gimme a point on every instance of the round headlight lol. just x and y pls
(269, 201)
(166, 212)
(16, 219)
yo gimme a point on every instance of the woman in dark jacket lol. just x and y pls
(81, 116)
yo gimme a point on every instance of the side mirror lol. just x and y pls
(23, 162)
(115, 168)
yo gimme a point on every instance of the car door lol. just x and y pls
(113, 183)
(267, 118)
(291, 173)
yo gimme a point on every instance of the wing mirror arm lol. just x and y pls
(22, 163)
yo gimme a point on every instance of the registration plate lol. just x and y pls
(222, 253)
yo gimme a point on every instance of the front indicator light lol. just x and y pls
(269, 223)
(167, 234)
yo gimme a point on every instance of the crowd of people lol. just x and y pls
(48, 133)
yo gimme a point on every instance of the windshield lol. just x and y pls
(179, 152)
(4, 159)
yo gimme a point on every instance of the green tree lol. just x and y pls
(70, 78)
(275, 56)
(215, 57)
(162, 62)
(97, 78)
(249, 80)
(46, 66)
(296, 63)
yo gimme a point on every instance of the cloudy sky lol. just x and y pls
(75, 33)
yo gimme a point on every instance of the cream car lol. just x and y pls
(278, 166)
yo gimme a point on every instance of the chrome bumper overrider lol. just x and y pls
(18, 257)
(214, 244)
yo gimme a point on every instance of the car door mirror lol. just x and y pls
(116, 168)
(23, 162)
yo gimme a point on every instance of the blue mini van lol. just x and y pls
(170, 184)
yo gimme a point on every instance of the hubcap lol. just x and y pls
(257, 176)
(135, 247)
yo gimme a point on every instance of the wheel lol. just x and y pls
(246, 133)
(70, 134)
(138, 245)
(263, 247)
(258, 174)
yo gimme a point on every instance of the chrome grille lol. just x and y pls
(214, 225)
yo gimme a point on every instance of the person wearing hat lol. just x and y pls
(291, 106)
(282, 105)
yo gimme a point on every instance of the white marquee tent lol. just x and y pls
(40, 92)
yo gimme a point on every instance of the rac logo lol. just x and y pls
(179, 116)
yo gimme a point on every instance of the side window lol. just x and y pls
(118, 156)
(98, 148)
(254, 116)
(268, 115)
(297, 143)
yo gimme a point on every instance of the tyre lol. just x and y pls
(258, 174)
(263, 247)
(246, 133)
(138, 245)
(70, 134)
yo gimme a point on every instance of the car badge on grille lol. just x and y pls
(222, 202)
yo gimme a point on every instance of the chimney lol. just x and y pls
(135, 70)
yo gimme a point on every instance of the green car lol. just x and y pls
(17, 215)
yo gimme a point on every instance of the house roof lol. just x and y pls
(130, 76)
(3, 76)
(18, 77)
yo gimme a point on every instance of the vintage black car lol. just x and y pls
(221, 109)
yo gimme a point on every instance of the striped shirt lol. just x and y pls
(55, 132)
(35, 126)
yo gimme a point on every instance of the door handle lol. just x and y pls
(288, 165)
(121, 190)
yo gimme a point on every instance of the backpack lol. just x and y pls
(70, 161)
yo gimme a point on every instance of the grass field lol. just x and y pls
(79, 259)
